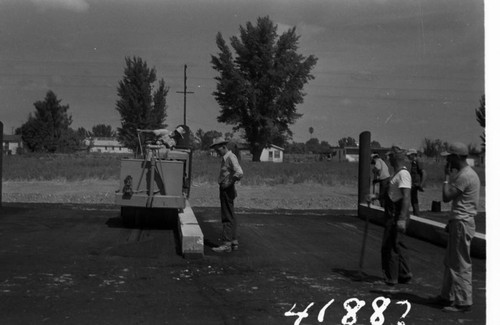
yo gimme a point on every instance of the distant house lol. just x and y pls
(11, 144)
(272, 153)
(351, 154)
(106, 145)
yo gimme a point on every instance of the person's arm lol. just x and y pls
(237, 172)
(157, 132)
(405, 210)
(423, 178)
(449, 190)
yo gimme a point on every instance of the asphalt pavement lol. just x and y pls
(77, 264)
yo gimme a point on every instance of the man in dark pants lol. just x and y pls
(230, 173)
(395, 265)
(418, 178)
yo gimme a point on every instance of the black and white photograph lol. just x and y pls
(248, 162)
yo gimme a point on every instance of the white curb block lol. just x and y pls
(191, 236)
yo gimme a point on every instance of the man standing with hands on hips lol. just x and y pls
(230, 173)
(461, 186)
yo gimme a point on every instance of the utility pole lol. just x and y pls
(185, 92)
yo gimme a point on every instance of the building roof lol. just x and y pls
(275, 147)
(11, 138)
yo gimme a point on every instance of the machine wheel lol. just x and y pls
(128, 216)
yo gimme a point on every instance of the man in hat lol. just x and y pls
(395, 266)
(461, 186)
(381, 176)
(418, 178)
(230, 173)
(166, 137)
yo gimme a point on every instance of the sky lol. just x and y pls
(405, 70)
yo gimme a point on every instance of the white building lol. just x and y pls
(272, 153)
(106, 145)
(11, 144)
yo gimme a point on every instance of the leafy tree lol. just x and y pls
(102, 130)
(259, 89)
(433, 148)
(375, 145)
(324, 146)
(140, 105)
(313, 145)
(207, 139)
(481, 118)
(47, 130)
(347, 142)
(295, 148)
(82, 133)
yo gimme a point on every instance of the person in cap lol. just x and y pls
(461, 186)
(166, 137)
(381, 176)
(395, 262)
(418, 178)
(230, 173)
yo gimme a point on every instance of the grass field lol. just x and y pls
(205, 168)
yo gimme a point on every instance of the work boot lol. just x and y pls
(440, 301)
(457, 309)
(224, 248)
(235, 245)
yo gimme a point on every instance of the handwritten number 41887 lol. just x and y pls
(350, 318)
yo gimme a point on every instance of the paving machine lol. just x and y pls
(156, 184)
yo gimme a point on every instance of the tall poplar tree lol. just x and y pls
(258, 89)
(140, 105)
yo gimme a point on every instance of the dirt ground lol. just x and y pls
(292, 196)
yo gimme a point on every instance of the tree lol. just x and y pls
(347, 142)
(295, 148)
(313, 145)
(82, 133)
(324, 146)
(259, 89)
(375, 145)
(207, 139)
(433, 148)
(481, 118)
(140, 105)
(102, 130)
(48, 129)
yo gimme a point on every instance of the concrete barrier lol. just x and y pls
(425, 229)
(191, 236)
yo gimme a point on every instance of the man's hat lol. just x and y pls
(456, 148)
(411, 152)
(375, 155)
(397, 153)
(218, 142)
(180, 130)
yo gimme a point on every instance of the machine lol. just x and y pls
(157, 184)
